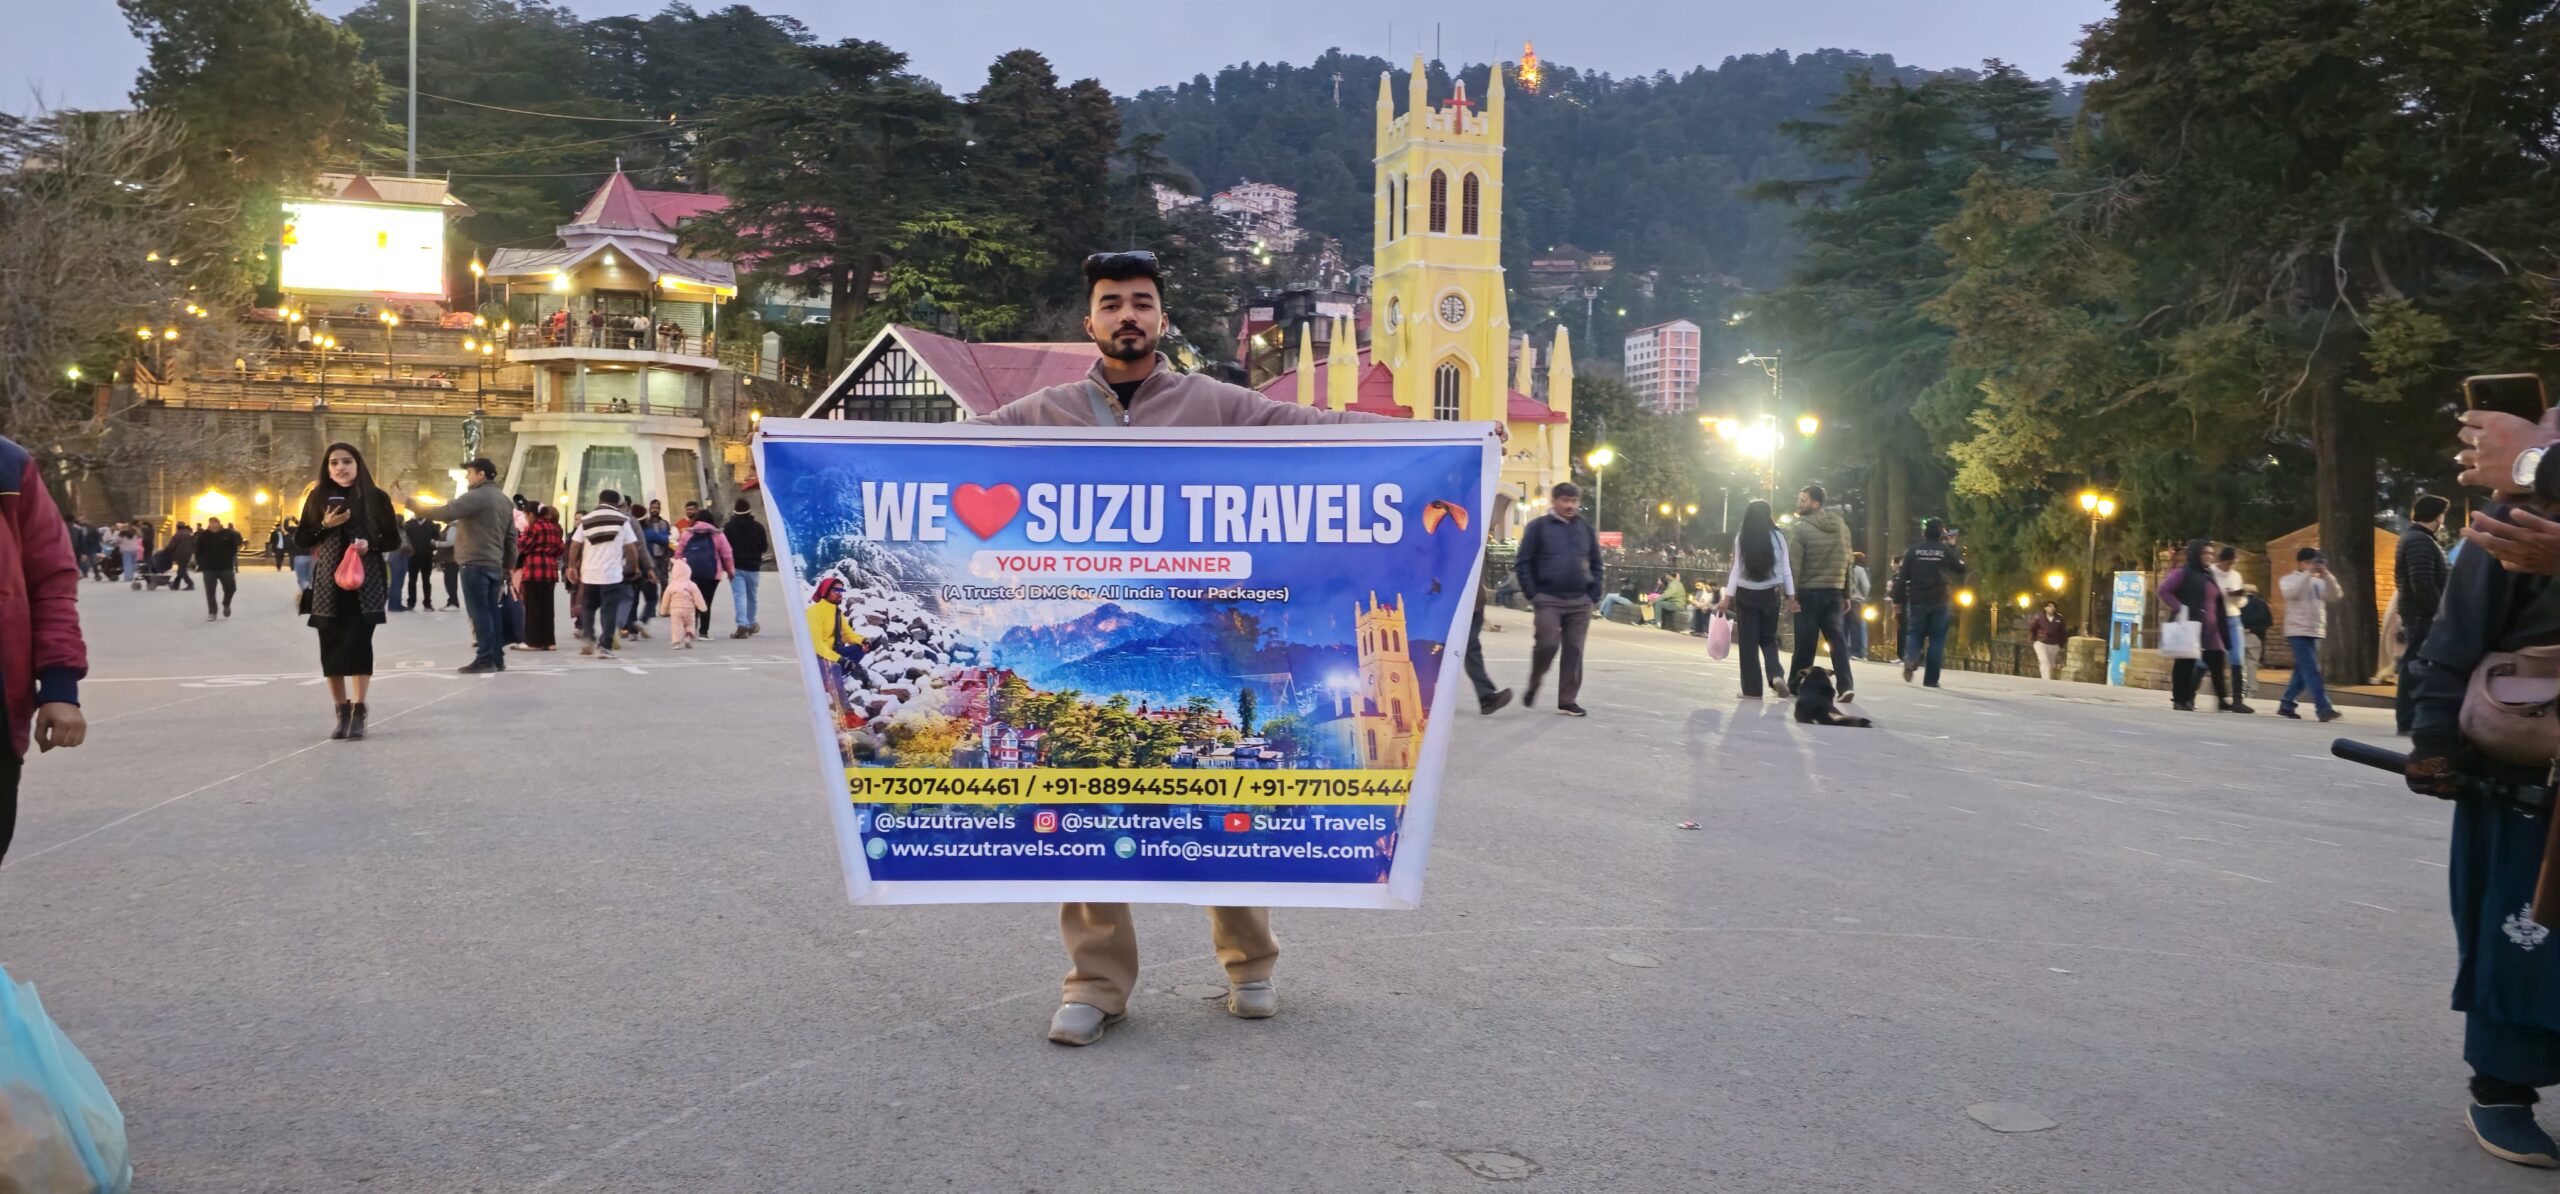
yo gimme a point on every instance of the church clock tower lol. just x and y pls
(1437, 309)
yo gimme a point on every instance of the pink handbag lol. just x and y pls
(1719, 637)
(350, 574)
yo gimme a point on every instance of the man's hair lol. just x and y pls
(2227, 554)
(2308, 553)
(739, 506)
(1565, 489)
(1120, 267)
(481, 464)
(1931, 528)
(609, 498)
(2427, 508)
(1857, 557)
(1814, 492)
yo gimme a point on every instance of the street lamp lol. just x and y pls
(1807, 425)
(1599, 459)
(390, 323)
(2099, 508)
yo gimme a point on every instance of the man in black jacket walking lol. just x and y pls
(748, 546)
(1559, 570)
(421, 533)
(218, 561)
(2419, 570)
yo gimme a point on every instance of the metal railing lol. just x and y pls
(370, 397)
(578, 335)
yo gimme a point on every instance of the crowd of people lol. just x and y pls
(504, 562)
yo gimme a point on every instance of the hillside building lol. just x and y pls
(1662, 366)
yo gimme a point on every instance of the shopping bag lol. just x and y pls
(59, 1129)
(350, 573)
(1719, 637)
(2182, 639)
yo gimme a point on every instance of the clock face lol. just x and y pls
(1453, 309)
(1395, 314)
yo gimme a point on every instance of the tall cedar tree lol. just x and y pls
(820, 182)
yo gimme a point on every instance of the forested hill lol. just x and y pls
(1650, 168)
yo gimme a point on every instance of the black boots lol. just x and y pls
(355, 724)
(346, 711)
(350, 721)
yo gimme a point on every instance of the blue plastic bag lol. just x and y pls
(59, 1129)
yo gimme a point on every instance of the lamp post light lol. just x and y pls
(390, 324)
(2099, 508)
(1599, 460)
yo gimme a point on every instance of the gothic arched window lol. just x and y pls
(1468, 194)
(1444, 392)
(1439, 201)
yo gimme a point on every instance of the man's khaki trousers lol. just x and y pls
(1102, 945)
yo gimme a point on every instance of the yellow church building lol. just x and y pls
(1441, 340)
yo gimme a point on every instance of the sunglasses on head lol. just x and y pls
(1130, 259)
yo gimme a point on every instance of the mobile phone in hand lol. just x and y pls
(2518, 394)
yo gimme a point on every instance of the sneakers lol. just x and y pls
(1908, 671)
(1848, 696)
(2287, 711)
(1083, 1023)
(740, 632)
(2330, 715)
(475, 668)
(1572, 711)
(2238, 707)
(607, 653)
(1494, 702)
(1245, 1001)
(2507, 1131)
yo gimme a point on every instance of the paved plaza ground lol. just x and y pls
(580, 927)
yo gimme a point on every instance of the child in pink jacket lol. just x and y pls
(681, 602)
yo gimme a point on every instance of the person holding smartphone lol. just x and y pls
(347, 512)
(2499, 597)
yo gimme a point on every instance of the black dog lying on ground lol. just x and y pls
(1816, 703)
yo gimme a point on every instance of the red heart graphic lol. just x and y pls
(985, 510)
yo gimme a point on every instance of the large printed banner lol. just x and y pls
(1201, 666)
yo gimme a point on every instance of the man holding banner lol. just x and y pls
(1147, 637)
(1124, 314)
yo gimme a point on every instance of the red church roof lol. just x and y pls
(1377, 394)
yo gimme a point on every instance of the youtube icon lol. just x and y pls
(1239, 822)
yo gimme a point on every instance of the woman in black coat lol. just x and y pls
(347, 510)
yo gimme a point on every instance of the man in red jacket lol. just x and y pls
(41, 656)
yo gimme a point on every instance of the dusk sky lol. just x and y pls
(79, 54)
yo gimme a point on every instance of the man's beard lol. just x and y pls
(1137, 345)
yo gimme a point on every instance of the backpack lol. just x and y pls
(702, 554)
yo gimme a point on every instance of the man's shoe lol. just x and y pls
(2238, 707)
(1908, 671)
(1848, 696)
(2287, 711)
(1082, 1023)
(1246, 1001)
(1572, 711)
(2507, 1131)
(213, 617)
(475, 668)
(1529, 695)
(1494, 702)
(740, 632)
(588, 649)
(607, 653)
(2330, 715)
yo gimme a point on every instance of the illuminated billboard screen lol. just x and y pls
(362, 248)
